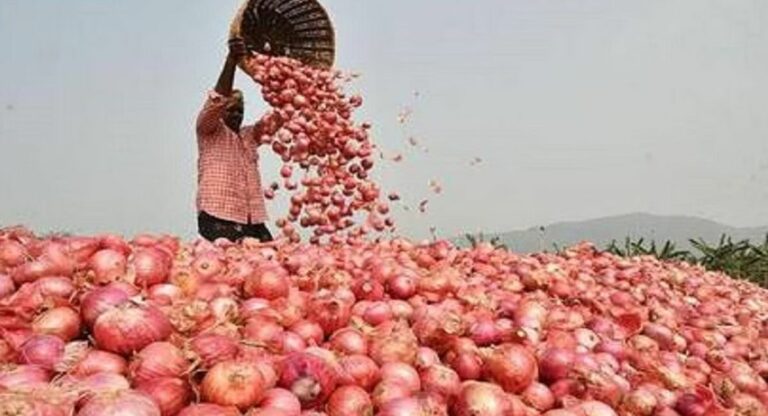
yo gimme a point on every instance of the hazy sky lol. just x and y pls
(578, 109)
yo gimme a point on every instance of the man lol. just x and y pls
(230, 199)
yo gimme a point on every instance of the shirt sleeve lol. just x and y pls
(210, 118)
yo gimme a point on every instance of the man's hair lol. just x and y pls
(237, 95)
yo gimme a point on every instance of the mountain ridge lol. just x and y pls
(601, 231)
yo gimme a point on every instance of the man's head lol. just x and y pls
(233, 115)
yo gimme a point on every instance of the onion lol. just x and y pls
(170, 394)
(350, 401)
(165, 294)
(151, 266)
(403, 374)
(281, 400)
(393, 342)
(212, 349)
(126, 402)
(556, 363)
(97, 361)
(467, 365)
(207, 266)
(45, 351)
(108, 265)
(329, 312)
(425, 358)
(596, 408)
(360, 370)
(12, 254)
(234, 383)
(512, 366)
(7, 286)
(207, 409)
(99, 300)
(377, 313)
(102, 383)
(639, 402)
(441, 380)
(309, 377)
(348, 341)
(130, 328)
(401, 287)
(23, 377)
(387, 391)
(62, 322)
(477, 398)
(267, 282)
(58, 287)
(539, 397)
(157, 360)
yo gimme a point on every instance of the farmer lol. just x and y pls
(230, 199)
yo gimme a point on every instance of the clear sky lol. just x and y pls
(578, 109)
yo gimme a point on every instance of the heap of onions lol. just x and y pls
(345, 326)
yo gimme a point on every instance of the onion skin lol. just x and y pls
(212, 349)
(24, 377)
(234, 384)
(99, 300)
(350, 401)
(359, 370)
(127, 402)
(512, 366)
(478, 398)
(158, 360)
(309, 377)
(208, 409)
(97, 361)
(282, 401)
(45, 351)
(130, 328)
(170, 394)
(62, 322)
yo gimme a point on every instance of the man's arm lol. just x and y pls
(209, 118)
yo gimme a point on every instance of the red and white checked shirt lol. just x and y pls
(228, 177)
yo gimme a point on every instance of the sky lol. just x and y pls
(577, 109)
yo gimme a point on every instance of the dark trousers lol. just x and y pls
(212, 228)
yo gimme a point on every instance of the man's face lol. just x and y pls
(233, 115)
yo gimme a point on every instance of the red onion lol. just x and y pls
(23, 377)
(57, 287)
(512, 366)
(281, 400)
(467, 365)
(12, 254)
(7, 287)
(484, 332)
(309, 377)
(156, 360)
(596, 408)
(368, 289)
(170, 394)
(378, 312)
(556, 363)
(387, 391)
(360, 370)
(292, 342)
(401, 373)
(401, 287)
(311, 332)
(476, 398)
(151, 266)
(348, 341)
(425, 358)
(207, 266)
(441, 380)
(126, 402)
(130, 327)
(207, 409)
(45, 351)
(99, 300)
(349, 401)
(539, 397)
(97, 361)
(639, 402)
(102, 383)
(329, 312)
(62, 322)
(164, 294)
(212, 349)
(108, 265)
(267, 282)
(393, 342)
(234, 383)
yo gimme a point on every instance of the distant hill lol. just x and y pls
(602, 231)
